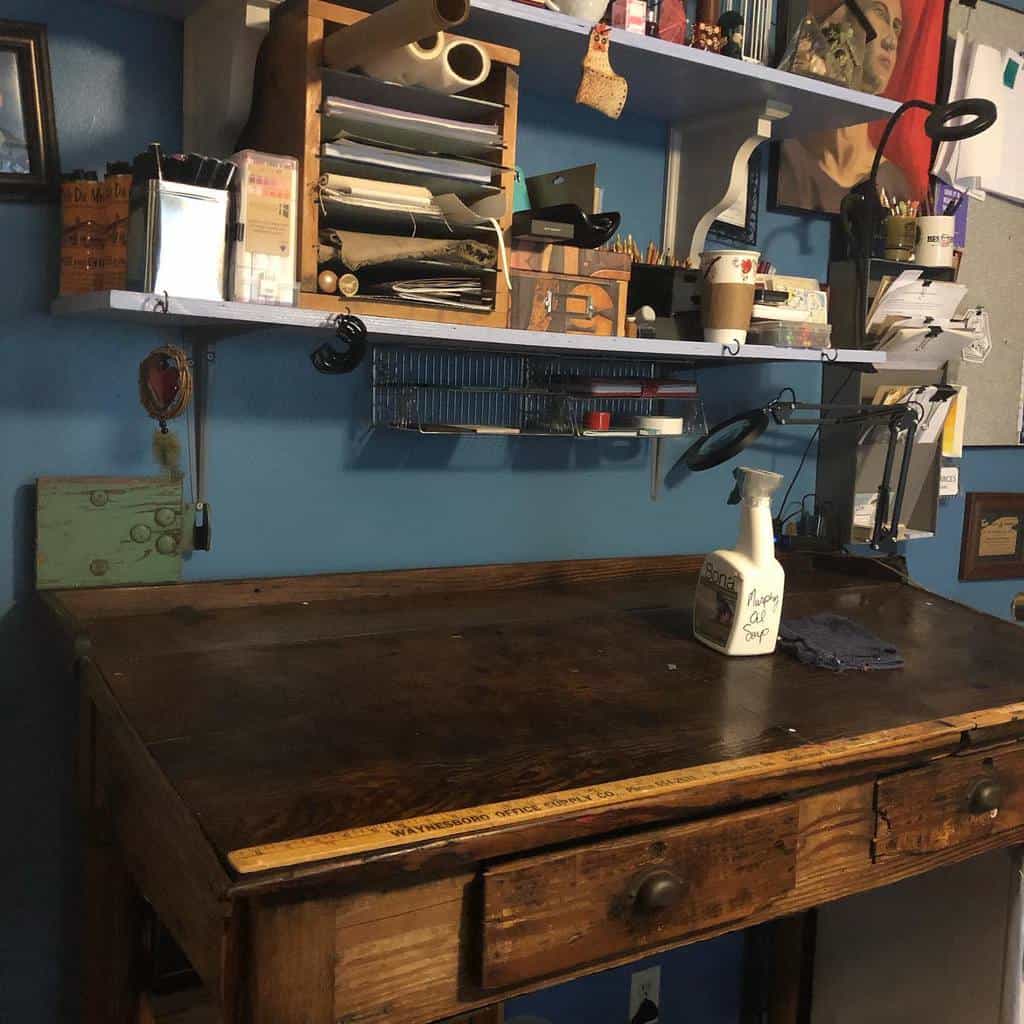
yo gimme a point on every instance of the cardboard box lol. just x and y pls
(568, 305)
(570, 259)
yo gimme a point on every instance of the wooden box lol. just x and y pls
(290, 88)
(570, 259)
(568, 304)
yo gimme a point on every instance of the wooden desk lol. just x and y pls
(560, 777)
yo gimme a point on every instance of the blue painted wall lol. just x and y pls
(699, 985)
(936, 562)
(296, 484)
(65, 397)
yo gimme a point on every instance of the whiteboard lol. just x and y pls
(993, 270)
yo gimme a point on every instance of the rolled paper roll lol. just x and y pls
(390, 29)
(463, 64)
(366, 188)
(348, 285)
(408, 64)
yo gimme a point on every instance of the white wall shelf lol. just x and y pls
(666, 81)
(223, 319)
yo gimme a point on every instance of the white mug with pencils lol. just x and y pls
(916, 232)
(934, 243)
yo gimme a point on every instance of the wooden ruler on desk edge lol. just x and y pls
(446, 825)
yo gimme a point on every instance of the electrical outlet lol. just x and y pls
(645, 996)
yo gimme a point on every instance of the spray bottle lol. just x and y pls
(739, 594)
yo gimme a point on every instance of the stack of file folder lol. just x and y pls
(409, 174)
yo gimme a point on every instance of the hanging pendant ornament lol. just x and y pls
(165, 390)
(600, 87)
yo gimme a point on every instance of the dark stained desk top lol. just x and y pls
(276, 721)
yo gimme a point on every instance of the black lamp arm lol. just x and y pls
(901, 417)
(832, 413)
(889, 126)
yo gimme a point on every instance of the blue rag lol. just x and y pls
(835, 642)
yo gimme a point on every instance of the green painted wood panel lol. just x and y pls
(95, 531)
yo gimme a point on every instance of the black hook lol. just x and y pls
(829, 355)
(732, 351)
(350, 330)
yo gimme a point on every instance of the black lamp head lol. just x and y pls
(939, 123)
(727, 439)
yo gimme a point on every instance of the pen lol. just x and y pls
(953, 205)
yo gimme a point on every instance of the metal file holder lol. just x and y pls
(177, 240)
(419, 388)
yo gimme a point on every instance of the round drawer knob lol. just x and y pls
(140, 533)
(99, 498)
(166, 544)
(164, 516)
(658, 891)
(985, 797)
(99, 567)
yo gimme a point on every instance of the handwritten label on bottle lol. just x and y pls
(762, 610)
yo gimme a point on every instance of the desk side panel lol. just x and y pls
(162, 844)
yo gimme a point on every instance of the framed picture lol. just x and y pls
(901, 62)
(739, 222)
(993, 540)
(29, 163)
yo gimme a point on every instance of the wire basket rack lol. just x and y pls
(445, 391)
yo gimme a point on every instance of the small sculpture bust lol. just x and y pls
(731, 24)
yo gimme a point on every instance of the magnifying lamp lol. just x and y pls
(730, 437)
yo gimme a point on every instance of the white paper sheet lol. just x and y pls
(947, 156)
(1008, 180)
(910, 296)
(949, 482)
(994, 160)
(929, 430)
(922, 340)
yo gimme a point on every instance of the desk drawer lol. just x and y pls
(550, 913)
(954, 801)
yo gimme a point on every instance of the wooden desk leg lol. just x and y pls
(112, 929)
(111, 903)
(779, 971)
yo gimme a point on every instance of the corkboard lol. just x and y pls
(991, 271)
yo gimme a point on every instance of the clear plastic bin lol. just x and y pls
(786, 334)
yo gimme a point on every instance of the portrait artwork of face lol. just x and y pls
(900, 62)
(886, 17)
